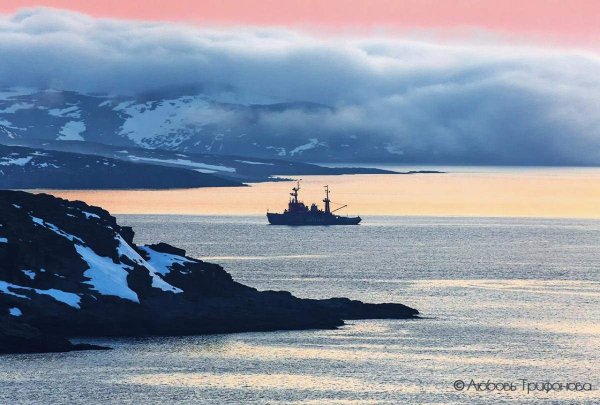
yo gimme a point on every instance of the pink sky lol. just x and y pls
(569, 20)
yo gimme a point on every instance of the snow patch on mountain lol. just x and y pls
(168, 120)
(45, 165)
(10, 125)
(206, 168)
(72, 131)
(248, 162)
(16, 107)
(394, 149)
(21, 161)
(280, 151)
(5, 131)
(13, 92)
(185, 123)
(312, 143)
(16, 159)
(69, 112)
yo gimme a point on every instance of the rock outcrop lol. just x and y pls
(68, 269)
(18, 337)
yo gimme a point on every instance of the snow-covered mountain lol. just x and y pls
(173, 120)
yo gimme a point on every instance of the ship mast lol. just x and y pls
(294, 193)
(327, 200)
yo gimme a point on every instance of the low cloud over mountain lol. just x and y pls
(411, 101)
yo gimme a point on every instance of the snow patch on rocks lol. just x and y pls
(89, 215)
(105, 276)
(68, 298)
(55, 229)
(4, 287)
(163, 262)
(15, 311)
(29, 273)
(157, 281)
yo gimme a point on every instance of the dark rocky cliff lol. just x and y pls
(68, 269)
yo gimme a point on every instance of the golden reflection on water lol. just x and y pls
(221, 258)
(339, 386)
(568, 193)
(356, 354)
(262, 381)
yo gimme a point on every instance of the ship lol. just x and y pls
(298, 214)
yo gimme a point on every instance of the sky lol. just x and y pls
(555, 20)
(498, 81)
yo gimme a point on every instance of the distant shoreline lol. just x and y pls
(539, 193)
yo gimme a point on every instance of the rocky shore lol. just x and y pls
(68, 269)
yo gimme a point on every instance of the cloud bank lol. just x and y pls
(425, 101)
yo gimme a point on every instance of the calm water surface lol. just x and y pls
(503, 300)
(549, 192)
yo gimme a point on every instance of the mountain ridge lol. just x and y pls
(184, 122)
(27, 168)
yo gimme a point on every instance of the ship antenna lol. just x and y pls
(327, 200)
(294, 192)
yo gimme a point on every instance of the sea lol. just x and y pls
(510, 313)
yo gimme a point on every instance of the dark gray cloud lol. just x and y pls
(423, 101)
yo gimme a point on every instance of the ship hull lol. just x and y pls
(311, 220)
